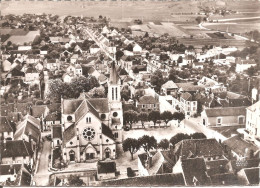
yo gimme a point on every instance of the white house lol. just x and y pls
(244, 64)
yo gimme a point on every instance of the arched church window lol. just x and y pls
(116, 93)
(112, 93)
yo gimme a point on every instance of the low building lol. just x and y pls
(106, 170)
(148, 103)
(188, 105)
(169, 88)
(223, 116)
(244, 64)
(56, 135)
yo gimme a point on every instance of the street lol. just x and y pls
(41, 178)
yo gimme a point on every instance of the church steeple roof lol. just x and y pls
(114, 78)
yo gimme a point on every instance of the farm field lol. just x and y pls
(29, 37)
(169, 28)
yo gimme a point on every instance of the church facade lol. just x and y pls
(92, 127)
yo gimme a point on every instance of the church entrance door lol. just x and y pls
(72, 156)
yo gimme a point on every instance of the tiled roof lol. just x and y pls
(156, 180)
(189, 87)
(252, 175)
(198, 147)
(147, 99)
(228, 111)
(217, 166)
(106, 167)
(195, 169)
(239, 145)
(38, 111)
(107, 131)
(54, 107)
(31, 70)
(5, 125)
(27, 128)
(70, 105)
(6, 169)
(254, 107)
(69, 133)
(169, 85)
(16, 148)
(100, 104)
(186, 96)
(53, 117)
(56, 131)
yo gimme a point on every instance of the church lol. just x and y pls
(93, 126)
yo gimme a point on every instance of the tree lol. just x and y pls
(131, 145)
(147, 142)
(179, 116)
(166, 116)
(119, 54)
(75, 181)
(130, 117)
(164, 144)
(199, 19)
(97, 92)
(178, 137)
(143, 117)
(146, 35)
(129, 47)
(157, 80)
(125, 94)
(198, 136)
(154, 116)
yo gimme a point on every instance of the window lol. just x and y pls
(69, 118)
(204, 122)
(103, 116)
(88, 119)
(116, 135)
(115, 114)
(112, 93)
(116, 93)
(219, 121)
(89, 133)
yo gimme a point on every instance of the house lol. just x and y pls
(211, 85)
(244, 64)
(148, 103)
(150, 164)
(189, 87)
(29, 131)
(249, 176)
(51, 119)
(32, 59)
(52, 64)
(188, 104)
(39, 67)
(106, 170)
(137, 48)
(198, 65)
(169, 88)
(240, 148)
(6, 129)
(194, 171)
(16, 152)
(253, 121)
(31, 75)
(15, 175)
(94, 48)
(39, 111)
(228, 116)
(56, 135)
(74, 58)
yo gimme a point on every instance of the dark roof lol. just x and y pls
(83, 109)
(6, 169)
(100, 104)
(186, 96)
(107, 131)
(224, 179)
(27, 128)
(252, 175)
(38, 111)
(106, 167)
(31, 70)
(69, 133)
(198, 148)
(147, 99)
(239, 145)
(54, 107)
(217, 166)
(156, 180)
(16, 148)
(5, 125)
(56, 131)
(114, 77)
(71, 105)
(53, 117)
(228, 111)
(195, 168)
(25, 179)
